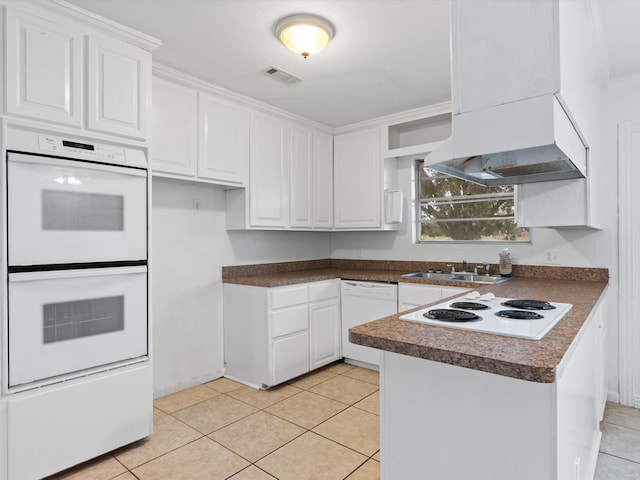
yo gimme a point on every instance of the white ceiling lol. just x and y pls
(387, 55)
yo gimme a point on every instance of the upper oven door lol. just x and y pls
(69, 211)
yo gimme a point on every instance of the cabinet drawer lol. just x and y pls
(324, 290)
(289, 320)
(288, 296)
(290, 357)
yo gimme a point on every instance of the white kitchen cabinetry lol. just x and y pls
(311, 178)
(537, 204)
(358, 180)
(290, 185)
(301, 169)
(118, 87)
(62, 70)
(197, 135)
(412, 295)
(44, 67)
(322, 180)
(418, 132)
(324, 323)
(268, 182)
(223, 135)
(174, 128)
(274, 334)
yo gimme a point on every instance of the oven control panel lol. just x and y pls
(90, 151)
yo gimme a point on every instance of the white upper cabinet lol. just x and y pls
(223, 133)
(174, 128)
(322, 180)
(118, 87)
(269, 180)
(358, 180)
(301, 169)
(44, 67)
(62, 70)
(518, 60)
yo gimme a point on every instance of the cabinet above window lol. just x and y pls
(417, 132)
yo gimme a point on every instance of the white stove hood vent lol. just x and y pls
(532, 140)
(510, 123)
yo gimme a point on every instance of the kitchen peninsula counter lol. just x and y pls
(531, 360)
(457, 404)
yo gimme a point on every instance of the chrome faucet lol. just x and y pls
(487, 268)
(453, 267)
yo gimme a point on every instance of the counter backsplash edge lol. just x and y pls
(400, 266)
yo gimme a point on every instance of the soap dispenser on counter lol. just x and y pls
(505, 263)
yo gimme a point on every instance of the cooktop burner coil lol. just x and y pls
(519, 314)
(469, 305)
(529, 304)
(450, 315)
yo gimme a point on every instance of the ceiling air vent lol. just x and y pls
(282, 75)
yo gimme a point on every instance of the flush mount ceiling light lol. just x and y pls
(304, 34)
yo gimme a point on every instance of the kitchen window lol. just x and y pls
(451, 209)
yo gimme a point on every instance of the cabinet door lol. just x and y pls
(324, 332)
(412, 295)
(173, 134)
(537, 204)
(118, 90)
(223, 141)
(289, 357)
(44, 64)
(453, 291)
(301, 185)
(268, 192)
(358, 174)
(322, 178)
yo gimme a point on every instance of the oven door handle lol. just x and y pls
(89, 272)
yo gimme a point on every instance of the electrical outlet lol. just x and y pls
(551, 257)
(196, 206)
(360, 253)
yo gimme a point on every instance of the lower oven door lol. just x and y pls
(64, 322)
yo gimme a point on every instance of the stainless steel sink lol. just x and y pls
(470, 277)
(431, 275)
(458, 277)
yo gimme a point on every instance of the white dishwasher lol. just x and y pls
(363, 302)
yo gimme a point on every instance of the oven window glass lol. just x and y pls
(81, 211)
(82, 318)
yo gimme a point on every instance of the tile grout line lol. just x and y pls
(619, 457)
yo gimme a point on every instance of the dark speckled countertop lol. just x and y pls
(532, 360)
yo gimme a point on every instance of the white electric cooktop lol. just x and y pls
(488, 308)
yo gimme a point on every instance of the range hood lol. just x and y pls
(516, 132)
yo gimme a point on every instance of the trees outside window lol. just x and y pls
(452, 209)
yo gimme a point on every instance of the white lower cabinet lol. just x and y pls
(272, 335)
(324, 332)
(412, 295)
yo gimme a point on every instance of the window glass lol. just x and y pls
(451, 209)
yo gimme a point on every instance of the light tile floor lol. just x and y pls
(619, 457)
(323, 426)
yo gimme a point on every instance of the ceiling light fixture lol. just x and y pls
(304, 34)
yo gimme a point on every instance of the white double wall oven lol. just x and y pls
(76, 373)
(77, 261)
